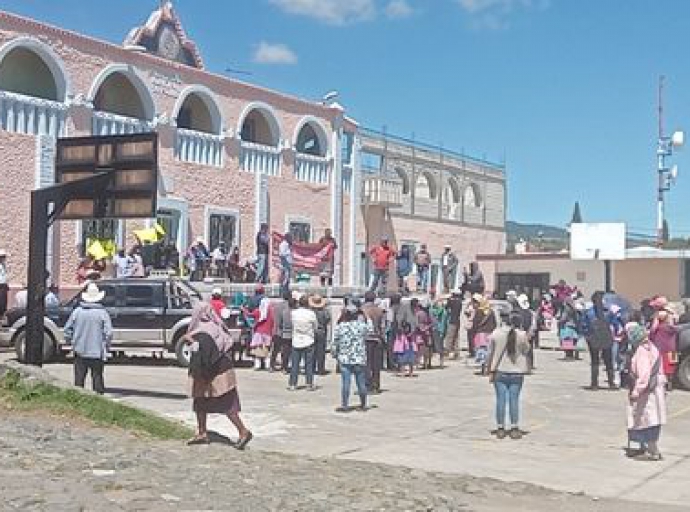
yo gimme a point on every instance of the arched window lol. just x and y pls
(473, 196)
(118, 94)
(260, 127)
(312, 140)
(451, 198)
(198, 119)
(23, 71)
(199, 112)
(405, 180)
(425, 188)
(33, 86)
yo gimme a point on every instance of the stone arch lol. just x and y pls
(451, 198)
(32, 68)
(119, 89)
(473, 196)
(405, 180)
(197, 109)
(259, 124)
(311, 137)
(425, 187)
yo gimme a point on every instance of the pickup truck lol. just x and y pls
(147, 314)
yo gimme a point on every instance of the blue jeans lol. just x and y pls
(298, 354)
(423, 277)
(262, 268)
(346, 372)
(508, 387)
(615, 356)
(285, 273)
(380, 280)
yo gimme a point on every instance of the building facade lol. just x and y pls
(429, 196)
(231, 154)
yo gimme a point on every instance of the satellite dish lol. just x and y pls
(678, 139)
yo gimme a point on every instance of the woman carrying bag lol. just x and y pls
(508, 363)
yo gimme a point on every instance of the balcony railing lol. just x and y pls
(259, 158)
(199, 147)
(35, 116)
(107, 123)
(314, 169)
(382, 192)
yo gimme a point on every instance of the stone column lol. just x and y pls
(337, 195)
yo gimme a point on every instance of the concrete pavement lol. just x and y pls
(440, 421)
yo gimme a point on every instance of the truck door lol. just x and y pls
(140, 318)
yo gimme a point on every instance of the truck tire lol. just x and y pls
(19, 342)
(684, 372)
(182, 352)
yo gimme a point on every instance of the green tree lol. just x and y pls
(577, 216)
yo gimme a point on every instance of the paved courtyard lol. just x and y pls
(440, 421)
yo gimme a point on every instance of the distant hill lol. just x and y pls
(555, 238)
(517, 230)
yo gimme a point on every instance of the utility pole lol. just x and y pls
(665, 176)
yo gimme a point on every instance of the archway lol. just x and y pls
(311, 139)
(118, 89)
(259, 126)
(197, 110)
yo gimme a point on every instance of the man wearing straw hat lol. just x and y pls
(90, 331)
(323, 317)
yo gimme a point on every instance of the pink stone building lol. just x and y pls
(232, 154)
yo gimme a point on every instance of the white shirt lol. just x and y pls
(304, 325)
(122, 266)
(284, 250)
(21, 299)
(219, 255)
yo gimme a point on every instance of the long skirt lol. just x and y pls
(224, 404)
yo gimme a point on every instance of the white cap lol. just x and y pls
(217, 291)
(3, 253)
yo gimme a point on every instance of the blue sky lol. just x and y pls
(565, 89)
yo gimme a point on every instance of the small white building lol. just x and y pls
(644, 272)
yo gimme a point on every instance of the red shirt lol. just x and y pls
(382, 256)
(218, 305)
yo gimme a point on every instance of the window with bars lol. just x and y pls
(300, 231)
(222, 228)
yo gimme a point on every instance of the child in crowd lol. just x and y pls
(423, 333)
(405, 350)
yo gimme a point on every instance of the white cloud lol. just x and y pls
(397, 9)
(334, 12)
(495, 14)
(267, 53)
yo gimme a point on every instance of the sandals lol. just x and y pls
(198, 440)
(244, 441)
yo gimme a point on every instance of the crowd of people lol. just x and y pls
(292, 334)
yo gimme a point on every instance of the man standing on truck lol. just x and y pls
(89, 331)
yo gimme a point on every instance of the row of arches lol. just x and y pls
(427, 188)
(31, 68)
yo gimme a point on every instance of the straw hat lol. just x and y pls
(316, 301)
(92, 294)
